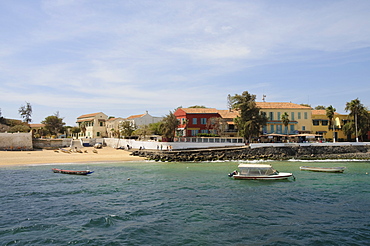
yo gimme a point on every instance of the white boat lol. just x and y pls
(258, 171)
(323, 169)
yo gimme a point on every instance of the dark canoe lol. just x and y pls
(84, 172)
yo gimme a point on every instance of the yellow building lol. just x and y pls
(321, 125)
(299, 116)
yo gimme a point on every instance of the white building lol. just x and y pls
(143, 119)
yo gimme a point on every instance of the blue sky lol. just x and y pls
(125, 57)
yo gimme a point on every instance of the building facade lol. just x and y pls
(93, 125)
(194, 121)
(143, 119)
(299, 116)
(322, 126)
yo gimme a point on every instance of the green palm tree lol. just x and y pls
(330, 114)
(285, 120)
(169, 125)
(355, 107)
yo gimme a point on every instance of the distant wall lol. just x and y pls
(16, 141)
(51, 143)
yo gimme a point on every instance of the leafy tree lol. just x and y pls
(319, 107)
(250, 121)
(169, 125)
(26, 112)
(330, 114)
(75, 130)
(307, 105)
(54, 124)
(20, 128)
(361, 119)
(217, 124)
(127, 128)
(143, 131)
(155, 128)
(285, 120)
(198, 106)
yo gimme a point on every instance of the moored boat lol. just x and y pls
(83, 172)
(323, 169)
(258, 171)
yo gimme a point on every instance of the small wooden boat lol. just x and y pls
(84, 172)
(323, 169)
(258, 171)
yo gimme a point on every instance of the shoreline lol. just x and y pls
(50, 157)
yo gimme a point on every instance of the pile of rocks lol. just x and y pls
(270, 153)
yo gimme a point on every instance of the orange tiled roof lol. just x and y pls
(200, 110)
(135, 116)
(282, 105)
(36, 125)
(320, 112)
(88, 115)
(227, 114)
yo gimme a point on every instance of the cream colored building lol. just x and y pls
(114, 127)
(93, 125)
(299, 116)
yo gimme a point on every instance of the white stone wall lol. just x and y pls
(16, 141)
(116, 143)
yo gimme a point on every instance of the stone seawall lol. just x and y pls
(271, 153)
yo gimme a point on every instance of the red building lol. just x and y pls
(194, 120)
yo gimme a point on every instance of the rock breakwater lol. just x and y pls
(268, 153)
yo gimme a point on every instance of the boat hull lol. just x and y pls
(323, 169)
(84, 172)
(279, 176)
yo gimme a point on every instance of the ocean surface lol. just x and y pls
(151, 203)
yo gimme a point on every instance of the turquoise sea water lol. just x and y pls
(149, 203)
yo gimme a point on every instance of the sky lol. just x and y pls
(123, 58)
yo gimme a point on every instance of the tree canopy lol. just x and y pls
(26, 111)
(168, 126)
(54, 124)
(249, 121)
(360, 124)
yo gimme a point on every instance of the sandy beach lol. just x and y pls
(106, 154)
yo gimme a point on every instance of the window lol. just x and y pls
(305, 115)
(299, 115)
(204, 131)
(325, 122)
(195, 121)
(272, 128)
(303, 128)
(292, 115)
(101, 123)
(271, 115)
(203, 121)
(194, 132)
(98, 134)
(279, 115)
(316, 122)
(279, 128)
(291, 128)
